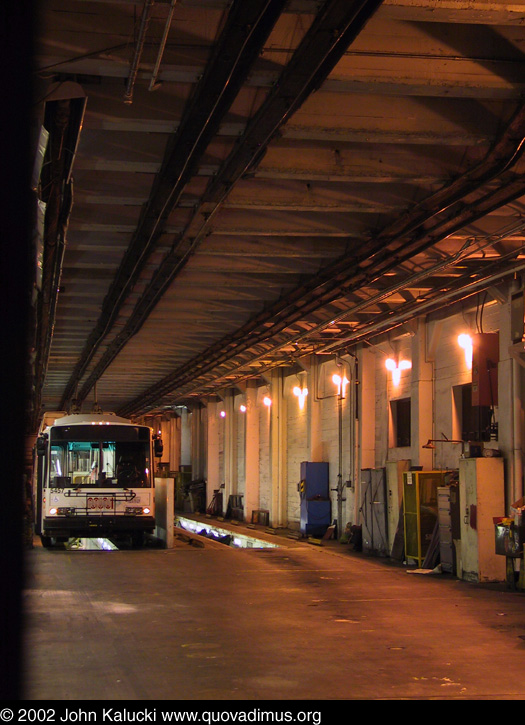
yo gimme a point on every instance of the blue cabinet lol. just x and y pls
(315, 498)
(314, 479)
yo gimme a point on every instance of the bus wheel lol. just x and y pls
(46, 541)
(137, 539)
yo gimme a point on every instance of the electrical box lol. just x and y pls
(485, 358)
(315, 498)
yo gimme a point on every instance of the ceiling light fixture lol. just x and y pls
(465, 342)
(396, 369)
(341, 383)
(300, 393)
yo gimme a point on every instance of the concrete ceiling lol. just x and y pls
(239, 185)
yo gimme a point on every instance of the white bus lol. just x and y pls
(95, 478)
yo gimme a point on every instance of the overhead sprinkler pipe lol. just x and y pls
(153, 85)
(146, 16)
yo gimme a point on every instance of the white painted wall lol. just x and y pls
(312, 433)
(265, 485)
(297, 449)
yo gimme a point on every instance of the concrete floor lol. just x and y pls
(299, 622)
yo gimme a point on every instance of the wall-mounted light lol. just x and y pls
(396, 368)
(341, 383)
(465, 342)
(267, 401)
(242, 408)
(300, 393)
(222, 414)
(431, 441)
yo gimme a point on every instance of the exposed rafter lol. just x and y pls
(335, 27)
(304, 176)
(245, 31)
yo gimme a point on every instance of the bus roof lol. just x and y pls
(89, 418)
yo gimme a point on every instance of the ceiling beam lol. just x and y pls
(243, 36)
(337, 24)
(413, 232)
(421, 75)
(439, 11)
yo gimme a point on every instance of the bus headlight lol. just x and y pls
(146, 510)
(53, 512)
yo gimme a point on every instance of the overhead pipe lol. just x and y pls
(146, 16)
(187, 372)
(247, 28)
(153, 85)
(337, 24)
(63, 117)
(392, 289)
(494, 164)
(468, 289)
(251, 326)
(302, 336)
(504, 154)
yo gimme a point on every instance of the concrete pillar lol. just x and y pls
(198, 442)
(422, 404)
(510, 407)
(174, 442)
(278, 442)
(185, 442)
(164, 507)
(367, 408)
(251, 498)
(230, 447)
(212, 451)
(365, 454)
(164, 425)
(315, 438)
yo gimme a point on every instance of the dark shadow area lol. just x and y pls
(488, 47)
(17, 216)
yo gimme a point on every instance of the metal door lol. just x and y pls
(374, 511)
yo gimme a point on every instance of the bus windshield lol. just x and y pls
(100, 456)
